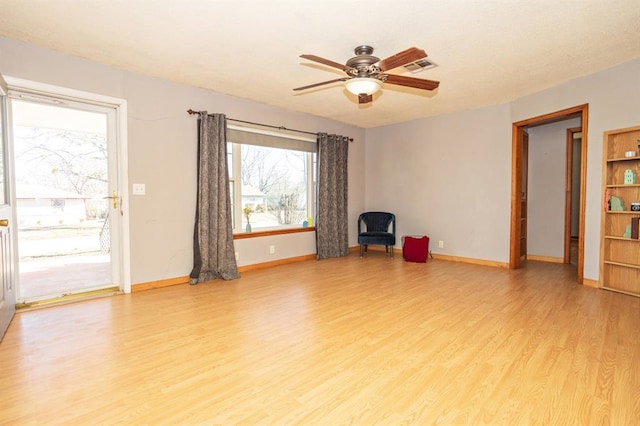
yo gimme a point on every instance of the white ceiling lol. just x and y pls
(488, 51)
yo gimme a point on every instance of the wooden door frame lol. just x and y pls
(524, 196)
(568, 193)
(517, 128)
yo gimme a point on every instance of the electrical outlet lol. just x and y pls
(440, 244)
(139, 189)
(272, 249)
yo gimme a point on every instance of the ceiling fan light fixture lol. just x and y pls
(365, 73)
(363, 85)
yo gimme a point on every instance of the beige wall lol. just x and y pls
(162, 154)
(612, 96)
(447, 176)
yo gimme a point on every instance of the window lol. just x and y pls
(272, 179)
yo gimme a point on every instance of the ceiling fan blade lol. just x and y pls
(412, 54)
(364, 99)
(326, 62)
(416, 83)
(320, 84)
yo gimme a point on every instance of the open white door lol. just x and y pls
(79, 186)
(68, 204)
(7, 290)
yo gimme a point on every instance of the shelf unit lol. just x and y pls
(620, 256)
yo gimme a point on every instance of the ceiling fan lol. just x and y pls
(366, 73)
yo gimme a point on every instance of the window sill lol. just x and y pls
(266, 233)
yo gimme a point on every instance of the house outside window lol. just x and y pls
(272, 179)
(57, 205)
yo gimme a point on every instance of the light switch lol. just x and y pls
(139, 189)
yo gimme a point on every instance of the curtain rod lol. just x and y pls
(192, 112)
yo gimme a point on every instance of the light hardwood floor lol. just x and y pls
(340, 341)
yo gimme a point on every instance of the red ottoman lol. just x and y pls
(415, 248)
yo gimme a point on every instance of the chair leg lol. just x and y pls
(361, 251)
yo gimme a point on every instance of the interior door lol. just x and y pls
(7, 291)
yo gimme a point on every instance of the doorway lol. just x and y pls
(518, 130)
(69, 206)
(572, 194)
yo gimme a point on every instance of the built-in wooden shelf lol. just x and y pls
(621, 291)
(614, 160)
(621, 185)
(612, 237)
(626, 265)
(620, 256)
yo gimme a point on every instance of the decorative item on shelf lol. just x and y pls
(616, 204)
(247, 213)
(627, 232)
(628, 154)
(310, 221)
(305, 224)
(630, 177)
(635, 207)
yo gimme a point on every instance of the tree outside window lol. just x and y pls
(273, 185)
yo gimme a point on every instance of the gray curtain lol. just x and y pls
(332, 236)
(213, 251)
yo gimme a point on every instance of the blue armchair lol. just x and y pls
(377, 228)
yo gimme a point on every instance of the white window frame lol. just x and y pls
(236, 180)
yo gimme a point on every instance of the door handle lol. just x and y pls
(4, 222)
(114, 197)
